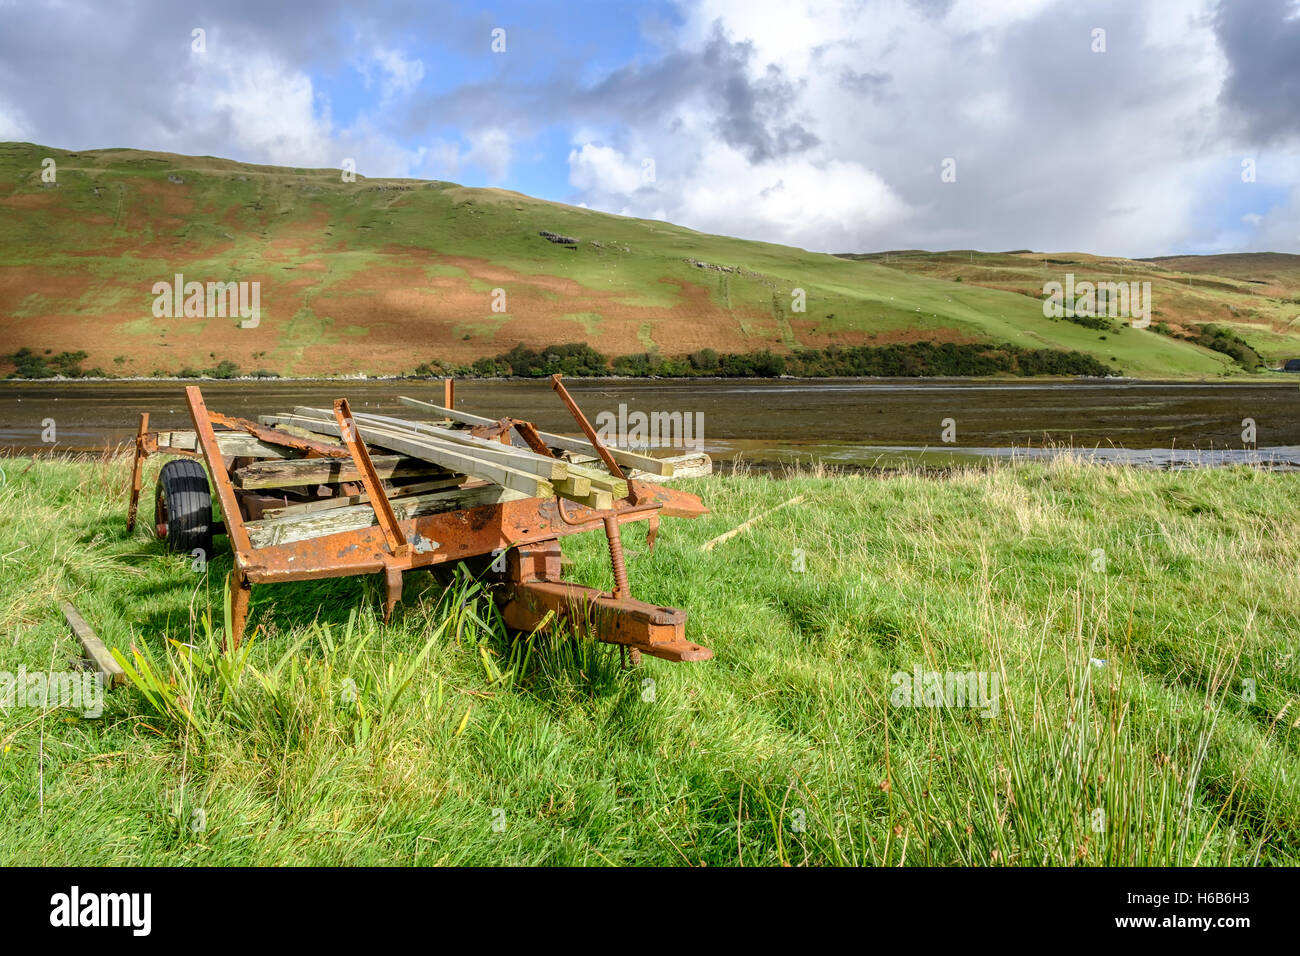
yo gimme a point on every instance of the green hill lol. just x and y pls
(384, 276)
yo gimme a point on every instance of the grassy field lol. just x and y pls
(1123, 614)
(352, 274)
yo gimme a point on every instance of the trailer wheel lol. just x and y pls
(183, 507)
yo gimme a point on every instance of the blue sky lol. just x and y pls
(826, 125)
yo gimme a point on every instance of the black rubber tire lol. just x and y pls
(183, 507)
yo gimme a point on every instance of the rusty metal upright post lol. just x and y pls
(616, 556)
(136, 470)
(587, 430)
(397, 543)
(207, 441)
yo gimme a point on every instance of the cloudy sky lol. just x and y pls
(1133, 127)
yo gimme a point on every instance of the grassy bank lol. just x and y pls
(1120, 612)
(383, 275)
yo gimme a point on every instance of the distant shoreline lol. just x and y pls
(1255, 378)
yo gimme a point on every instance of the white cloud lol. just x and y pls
(267, 111)
(488, 151)
(399, 74)
(13, 125)
(815, 202)
(1057, 147)
(603, 169)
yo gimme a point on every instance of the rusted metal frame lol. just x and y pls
(587, 430)
(497, 431)
(539, 561)
(397, 543)
(461, 534)
(137, 468)
(241, 595)
(627, 622)
(275, 436)
(621, 589)
(392, 587)
(528, 432)
(207, 440)
(448, 393)
(585, 521)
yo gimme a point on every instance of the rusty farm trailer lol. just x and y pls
(329, 493)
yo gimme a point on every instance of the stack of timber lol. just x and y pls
(452, 461)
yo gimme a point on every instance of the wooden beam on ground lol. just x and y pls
(94, 647)
(746, 525)
(656, 466)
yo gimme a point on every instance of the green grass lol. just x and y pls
(338, 739)
(115, 224)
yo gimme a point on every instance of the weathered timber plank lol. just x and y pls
(263, 534)
(631, 459)
(601, 480)
(552, 469)
(95, 650)
(301, 472)
(444, 454)
(690, 465)
(343, 501)
(232, 445)
(574, 486)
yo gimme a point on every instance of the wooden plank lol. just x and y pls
(578, 487)
(600, 479)
(698, 465)
(689, 465)
(303, 472)
(94, 647)
(279, 437)
(552, 469)
(599, 500)
(459, 435)
(343, 501)
(656, 466)
(441, 453)
(296, 432)
(574, 486)
(232, 444)
(286, 530)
